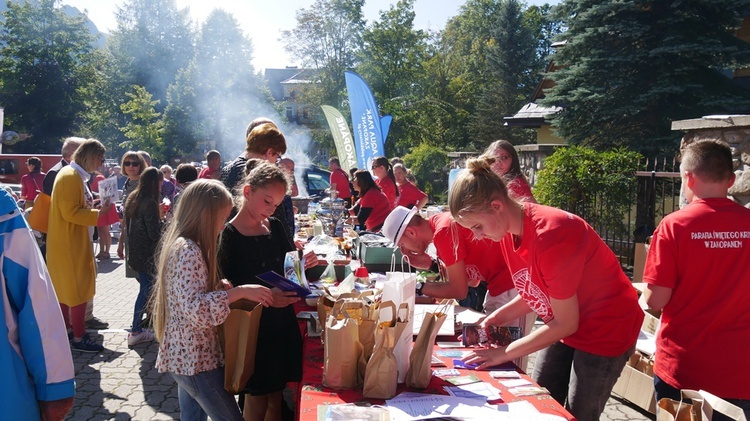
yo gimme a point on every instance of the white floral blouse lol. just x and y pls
(191, 342)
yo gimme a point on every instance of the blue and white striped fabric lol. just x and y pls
(35, 356)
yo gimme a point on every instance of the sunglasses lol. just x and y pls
(131, 164)
(375, 166)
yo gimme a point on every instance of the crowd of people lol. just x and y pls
(195, 241)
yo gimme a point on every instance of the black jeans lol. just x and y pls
(579, 380)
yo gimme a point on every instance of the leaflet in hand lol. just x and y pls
(274, 280)
(108, 190)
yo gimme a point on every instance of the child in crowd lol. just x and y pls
(697, 273)
(253, 243)
(566, 274)
(190, 301)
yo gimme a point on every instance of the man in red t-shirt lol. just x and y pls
(339, 179)
(213, 167)
(697, 274)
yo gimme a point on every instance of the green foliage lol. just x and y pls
(630, 68)
(597, 186)
(428, 164)
(145, 128)
(512, 69)
(327, 37)
(47, 73)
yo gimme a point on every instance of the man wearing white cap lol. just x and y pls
(466, 260)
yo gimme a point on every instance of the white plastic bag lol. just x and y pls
(399, 287)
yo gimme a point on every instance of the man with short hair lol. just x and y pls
(213, 169)
(697, 273)
(340, 179)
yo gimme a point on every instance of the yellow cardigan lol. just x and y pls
(70, 254)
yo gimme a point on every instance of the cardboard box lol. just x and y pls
(378, 258)
(636, 387)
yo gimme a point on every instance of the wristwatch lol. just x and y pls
(419, 287)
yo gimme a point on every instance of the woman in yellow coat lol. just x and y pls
(70, 254)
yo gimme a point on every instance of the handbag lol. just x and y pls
(420, 372)
(342, 350)
(400, 287)
(38, 219)
(240, 342)
(702, 408)
(129, 271)
(381, 375)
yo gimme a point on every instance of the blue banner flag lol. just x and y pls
(367, 125)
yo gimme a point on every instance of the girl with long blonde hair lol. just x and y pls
(190, 300)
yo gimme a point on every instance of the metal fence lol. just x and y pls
(654, 191)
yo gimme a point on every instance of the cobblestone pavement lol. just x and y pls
(122, 384)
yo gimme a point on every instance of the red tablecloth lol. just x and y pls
(312, 393)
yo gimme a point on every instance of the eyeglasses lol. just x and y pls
(131, 164)
(375, 166)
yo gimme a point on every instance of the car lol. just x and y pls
(313, 179)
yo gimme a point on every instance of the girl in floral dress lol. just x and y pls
(190, 301)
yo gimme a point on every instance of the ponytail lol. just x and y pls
(476, 187)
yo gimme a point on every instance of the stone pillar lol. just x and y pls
(531, 158)
(735, 131)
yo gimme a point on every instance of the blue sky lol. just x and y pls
(263, 21)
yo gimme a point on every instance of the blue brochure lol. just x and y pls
(273, 279)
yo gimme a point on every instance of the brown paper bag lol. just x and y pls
(420, 373)
(672, 410)
(367, 327)
(240, 332)
(342, 350)
(325, 305)
(381, 376)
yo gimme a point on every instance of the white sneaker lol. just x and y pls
(140, 337)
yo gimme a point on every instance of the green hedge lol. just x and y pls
(598, 186)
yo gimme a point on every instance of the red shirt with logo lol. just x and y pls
(389, 188)
(559, 256)
(519, 190)
(410, 195)
(339, 178)
(380, 205)
(482, 257)
(702, 253)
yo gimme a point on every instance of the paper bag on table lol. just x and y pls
(240, 331)
(327, 301)
(399, 287)
(342, 350)
(420, 372)
(702, 408)
(381, 375)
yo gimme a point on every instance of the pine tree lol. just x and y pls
(630, 68)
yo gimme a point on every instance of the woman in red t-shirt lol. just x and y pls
(373, 206)
(409, 195)
(32, 182)
(382, 169)
(505, 163)
(567, 275)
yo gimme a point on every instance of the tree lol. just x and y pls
(47, 72)
(513, 66)
(144, 130)
(629, 68)
(392, 52)
(429, 167)
(327, 37)
(219, 89)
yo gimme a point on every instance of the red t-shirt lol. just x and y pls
(30, 183)
(561, 255)
(339, 178)
(409, 195)
(702, 252)
(389, 188)
(207, 172)
(519, 190)
(380, 205)
(482, 257)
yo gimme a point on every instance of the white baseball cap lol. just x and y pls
(396, 222)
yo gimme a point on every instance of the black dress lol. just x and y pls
(278, 358)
